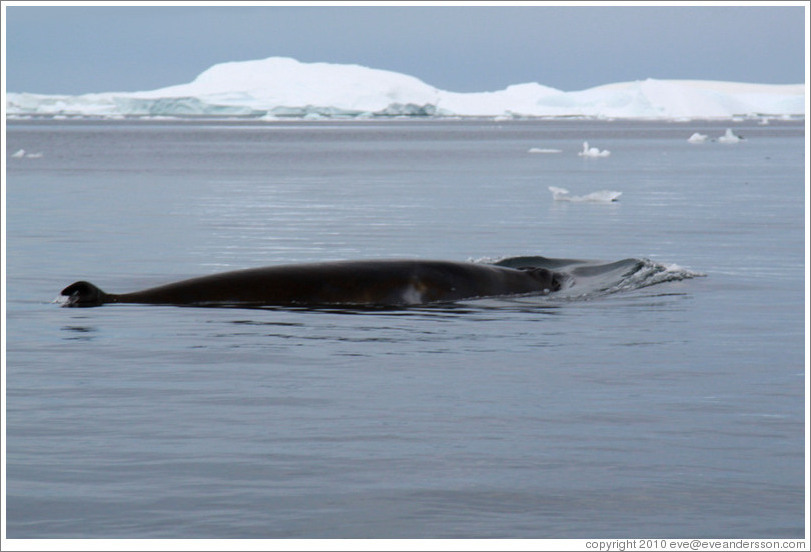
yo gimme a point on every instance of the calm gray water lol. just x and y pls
(672, 410)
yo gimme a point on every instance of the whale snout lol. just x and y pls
(84, 294)
(550, 281)
(561, 280)
(556, 285)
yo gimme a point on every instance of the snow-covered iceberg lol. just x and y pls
(283, 87)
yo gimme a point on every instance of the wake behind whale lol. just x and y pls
(392, 283)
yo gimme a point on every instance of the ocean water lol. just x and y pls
(668, 410)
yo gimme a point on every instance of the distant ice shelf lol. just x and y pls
(278, 88)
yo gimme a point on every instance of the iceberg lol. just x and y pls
(280, 87)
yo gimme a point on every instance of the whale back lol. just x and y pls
(374, 282)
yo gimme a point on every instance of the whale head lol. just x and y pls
(84, 294)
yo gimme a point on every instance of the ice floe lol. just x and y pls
(19, 154)
(602, 196)
(592, 152)
(730, 137)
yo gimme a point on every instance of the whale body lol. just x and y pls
(360, 283)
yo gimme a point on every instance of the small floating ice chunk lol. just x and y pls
(19, 154)
(603, 196)
(593, 152)
(730, 137)
(544, 150)
(697, 138)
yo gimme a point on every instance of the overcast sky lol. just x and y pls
(73, 50)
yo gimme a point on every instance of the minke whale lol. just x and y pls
(372, 283)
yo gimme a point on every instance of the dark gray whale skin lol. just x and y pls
(358, 283)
